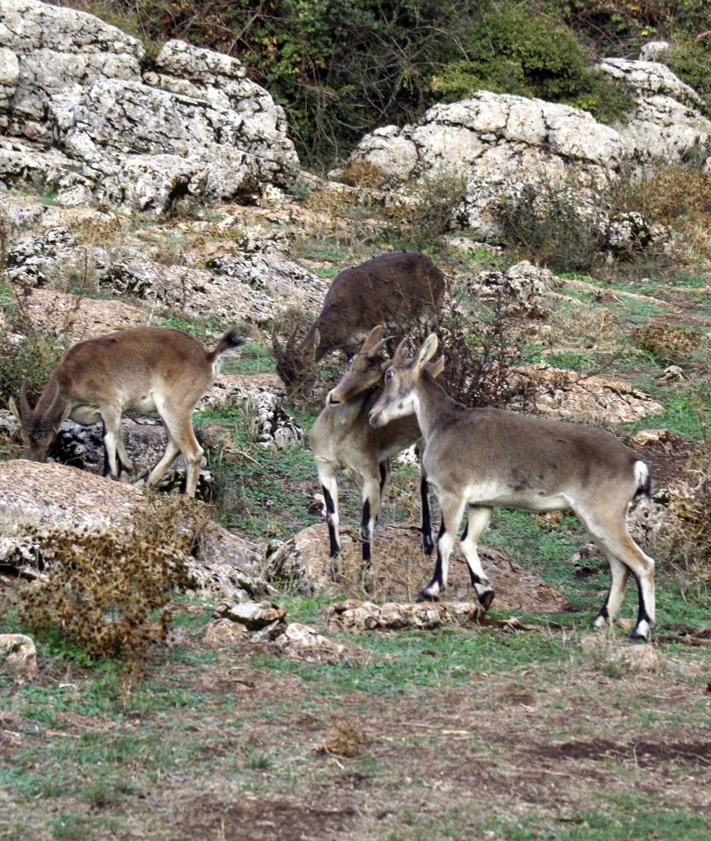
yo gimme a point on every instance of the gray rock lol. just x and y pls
(196, 126)
(354, 615)
(497, 143)
(253, 615)
(667, 124)
(18, 654)
(654, 51)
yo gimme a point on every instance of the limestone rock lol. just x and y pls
(653, 50)
(592, 399)
(70, 80)
(497, 143)
(354, 615)
(38, 498)
(667, 124)
(524, 284)
(18, 654)
(303, 642)
(253, 615)
(58, 51)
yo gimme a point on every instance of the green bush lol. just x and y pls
(690, 59)
(512, 49)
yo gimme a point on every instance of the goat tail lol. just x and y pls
(644, 480)
(232, 339)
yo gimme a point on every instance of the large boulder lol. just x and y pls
(194, 126)
(40, 501)
(667, 124)
(497, 143)
(58, 51)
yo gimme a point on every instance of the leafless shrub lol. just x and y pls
(551, 224)
(362, 174)
(108, 592)
(668, 342)
(345, 737)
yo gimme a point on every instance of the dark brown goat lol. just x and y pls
(394, 289)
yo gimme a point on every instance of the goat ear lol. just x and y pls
(434, 369)
(400, 354)
(310, 346)
(12, 406)
(372, 342)
(426, 352)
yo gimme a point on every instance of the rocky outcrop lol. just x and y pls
(588, 398)
(251, 287)
(667, 124)
(38, 501)
(193, 126)
(496, 143)
(499, 144)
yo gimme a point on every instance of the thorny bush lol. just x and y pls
(108, 592)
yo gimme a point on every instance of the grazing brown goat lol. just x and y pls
(146, 369)
(394, 289)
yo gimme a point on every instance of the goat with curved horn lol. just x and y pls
(478, 459)
(341, 438)
(146, 369)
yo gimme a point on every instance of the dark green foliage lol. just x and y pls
(690, 59)
(514, 49)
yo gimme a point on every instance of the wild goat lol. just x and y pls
(480, 458)
(394, 289)
(342, 438)
(146, 369)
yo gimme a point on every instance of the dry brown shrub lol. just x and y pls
(667, 341)
(108, 592)
(345, 737)
(676, 197)
(29, 353)
(362, 174)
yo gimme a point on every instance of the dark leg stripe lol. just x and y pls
(364, 533)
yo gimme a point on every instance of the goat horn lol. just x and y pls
(25, 408)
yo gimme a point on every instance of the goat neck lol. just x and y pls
(432, 404)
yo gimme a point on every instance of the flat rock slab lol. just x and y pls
(401, 570)
(354, 615)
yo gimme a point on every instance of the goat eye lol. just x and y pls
(389, 375)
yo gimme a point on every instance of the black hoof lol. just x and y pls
(427, 545)
(424, 596)
(639, 637)
(485, 599)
